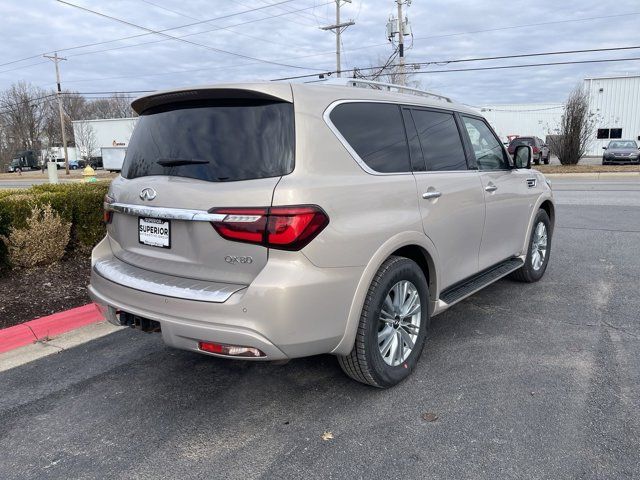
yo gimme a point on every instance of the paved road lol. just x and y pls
(527, 381)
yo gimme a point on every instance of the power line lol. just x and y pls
(190, 42)
(187, 35)
(199, 22)
(511, 27)
(526, 65)
(181, 14)
(478, 59)
(380, 69)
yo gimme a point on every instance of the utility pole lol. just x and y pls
(399, 26)
(338, 28)
(400, 43)
(56, 59)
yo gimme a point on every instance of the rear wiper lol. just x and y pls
(177, 162)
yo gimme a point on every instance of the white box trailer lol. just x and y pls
(113, 158)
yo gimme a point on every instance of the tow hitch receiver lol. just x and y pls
(144, 324)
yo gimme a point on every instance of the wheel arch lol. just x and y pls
(414, 245)
(544, 202)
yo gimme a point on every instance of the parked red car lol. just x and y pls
(541, 151)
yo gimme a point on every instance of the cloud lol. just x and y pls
(441, 29)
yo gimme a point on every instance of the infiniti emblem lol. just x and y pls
(148, 194)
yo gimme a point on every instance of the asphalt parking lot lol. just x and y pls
(526, 381)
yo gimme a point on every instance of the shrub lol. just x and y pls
(79, 204)
(575, 130)
(42, 241)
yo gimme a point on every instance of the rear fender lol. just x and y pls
(398, 241)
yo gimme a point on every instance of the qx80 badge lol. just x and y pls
(234, 260)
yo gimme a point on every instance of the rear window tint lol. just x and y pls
(216, 141)
(523, 141)
(376, 132)
(440, 140)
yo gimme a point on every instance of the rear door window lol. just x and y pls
(376, 133)
(215, 141)
(440, 140)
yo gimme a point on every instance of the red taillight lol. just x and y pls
(242, 224)
(231, 350)
(284, 228)
(536, 150)
(107, 215)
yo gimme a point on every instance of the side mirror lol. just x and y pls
(522, 156)
(604, 148)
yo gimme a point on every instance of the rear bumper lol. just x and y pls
(291, 309)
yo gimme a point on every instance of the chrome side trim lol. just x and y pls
(164, 212)
(165, 285)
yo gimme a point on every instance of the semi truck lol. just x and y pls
(24, 160)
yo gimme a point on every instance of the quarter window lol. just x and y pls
(486, 147)
(376, 133)
(440, 140)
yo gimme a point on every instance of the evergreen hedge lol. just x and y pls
(78, 203)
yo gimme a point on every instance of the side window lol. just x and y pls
(486, 147)
(440, 140)
(375, 131)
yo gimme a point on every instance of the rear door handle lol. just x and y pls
(430, 195)
(490, 188)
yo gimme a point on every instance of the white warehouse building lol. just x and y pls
(109, 132)
(614, 103)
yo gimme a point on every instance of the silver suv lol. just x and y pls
(271, 221)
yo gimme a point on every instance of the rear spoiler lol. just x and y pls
(271, 91)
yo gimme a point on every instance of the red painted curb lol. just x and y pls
(14, 337)
(48, 327)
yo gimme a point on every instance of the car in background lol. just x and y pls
(621, 152)
(541, 152)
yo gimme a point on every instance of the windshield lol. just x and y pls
(625, 144)
(216, 141)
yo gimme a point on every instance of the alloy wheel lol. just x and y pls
(539, 246)
(399, 323)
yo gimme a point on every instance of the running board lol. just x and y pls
(471, 285)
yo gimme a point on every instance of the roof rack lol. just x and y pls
(389, 87)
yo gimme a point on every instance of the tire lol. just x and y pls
(366, 363)
(528, 273)
(547, 160)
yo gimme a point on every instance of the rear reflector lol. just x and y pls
(107, 216)
(284, 228)
(231, 350)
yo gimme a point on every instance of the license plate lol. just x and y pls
(154, 232)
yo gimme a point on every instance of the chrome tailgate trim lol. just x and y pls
(162, 284)
(164, 212)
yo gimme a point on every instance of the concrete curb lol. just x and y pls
(595, 175)
(47, 327)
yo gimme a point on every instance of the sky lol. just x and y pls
(255, 41)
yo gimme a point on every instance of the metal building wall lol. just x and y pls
(532, 119)
(615, 103)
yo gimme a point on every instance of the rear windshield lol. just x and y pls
(216, 141)
(523, 141)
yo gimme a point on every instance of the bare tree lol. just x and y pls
(86, 140)
(22, 115)
(116, 106)
(575, 130)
